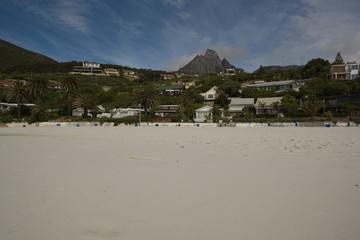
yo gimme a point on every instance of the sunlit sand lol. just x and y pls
(180, 183)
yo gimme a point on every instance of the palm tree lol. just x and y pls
(276, 106)
(18, 93)
(69, 86)
(262, 107)
(87, 102)
(146, 97)
(37, 88)
(312, 106)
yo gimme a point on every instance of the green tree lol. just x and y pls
(190, 96)
(338, 59)
(312, 106)
(231, 88)
(18, 93)
(86, 101)
(122, 100)
(316, 68)
(146, 97)
(216, 114)
(179, 116)
(336, 88)
(290, 105)
(69, 86)
(222, 100)
(38, 87)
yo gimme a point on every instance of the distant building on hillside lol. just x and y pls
(230, 71)
(88, 68)
(111, 72)
(172, 89)
(348, 71)
(129, 72)
(278, 86)
(167, 76)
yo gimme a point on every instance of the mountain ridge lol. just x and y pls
(13, 56)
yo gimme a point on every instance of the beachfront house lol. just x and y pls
(5, 107)
(79, 112)
(203, 114)
(125, 112)
(166, 111)
(238, 104)
(270, 105)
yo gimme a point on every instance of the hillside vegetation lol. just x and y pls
(15, 58)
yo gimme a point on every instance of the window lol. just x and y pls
(354, 76)
(211, 96)
(354, 67)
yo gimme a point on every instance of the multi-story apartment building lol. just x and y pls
(88, 68)
(348, 71)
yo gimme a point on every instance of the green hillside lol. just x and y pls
(14, 58)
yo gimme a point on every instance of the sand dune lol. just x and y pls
(179, 183)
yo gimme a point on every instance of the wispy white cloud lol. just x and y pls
(177, 63)
(128, 27)
(175, 3)
(205, 40)
(184, 15)
(326, 28)
(231, 53)
(64, 14)
(71, 13)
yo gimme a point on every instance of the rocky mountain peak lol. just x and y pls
(211, 53)
(208, 63)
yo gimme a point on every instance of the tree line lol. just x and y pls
(57, 97)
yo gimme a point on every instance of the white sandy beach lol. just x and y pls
(185, 183)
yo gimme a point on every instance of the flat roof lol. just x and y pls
(269, 84)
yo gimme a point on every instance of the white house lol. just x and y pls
(189, 84)
(270, 105)
(78, 112)
(203, 114)
(211, 94)
(125, 112)
(88, 68)
(111, 72)
(348, 71)
(129, 72)
(238, 104)
(4, 107)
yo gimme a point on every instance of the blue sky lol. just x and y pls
(166, 34)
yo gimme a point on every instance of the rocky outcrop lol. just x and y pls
(226, 65)
(208, 63)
